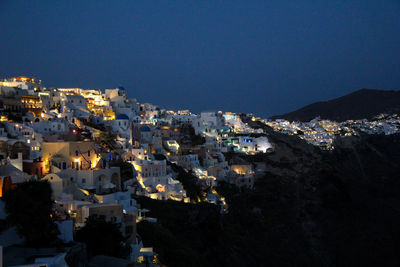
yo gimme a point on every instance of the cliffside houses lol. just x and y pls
(99, 149)
(322, 133)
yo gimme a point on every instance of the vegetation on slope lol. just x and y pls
(29, 208)
(102, 238)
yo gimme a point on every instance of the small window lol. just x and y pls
(83, 180)
(88, 153)
(76, 153)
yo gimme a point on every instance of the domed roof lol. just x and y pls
(122, 117)
(145, 128)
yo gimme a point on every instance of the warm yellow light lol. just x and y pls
(85, 191)
(153, 196)
(160, 188)
(137, 167)
(94, 163)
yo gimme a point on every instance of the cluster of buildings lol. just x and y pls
(382, 124)
(322, 133)
(78, 139)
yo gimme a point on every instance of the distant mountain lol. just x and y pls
(364, 103)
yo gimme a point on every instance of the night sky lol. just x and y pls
(264, 57)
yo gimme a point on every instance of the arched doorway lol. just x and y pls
(3, 149)
(19, 147)
(116, 181)
(101, 181)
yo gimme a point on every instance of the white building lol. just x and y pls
(122, 126)
(76, 101)
(50, 127)
(254, 144)
(99, 180)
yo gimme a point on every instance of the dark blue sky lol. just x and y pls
(265, 57)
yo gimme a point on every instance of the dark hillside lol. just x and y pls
(348, 202)
(364, 103)
(312, 208)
